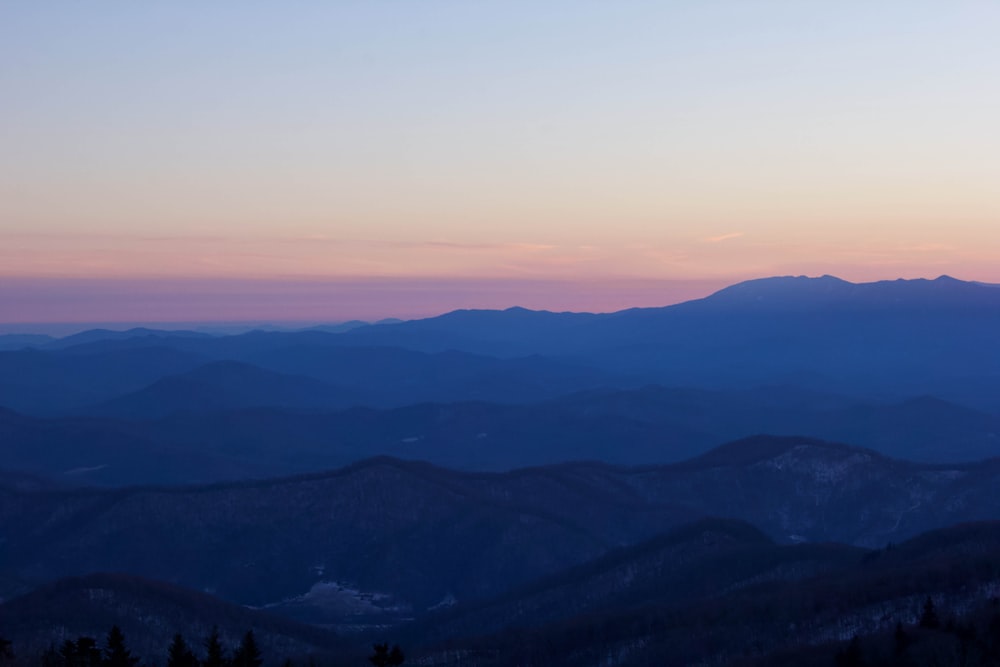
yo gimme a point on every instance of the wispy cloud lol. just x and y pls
(722, 237)
(928, 247)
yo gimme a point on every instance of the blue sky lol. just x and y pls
(572, 142)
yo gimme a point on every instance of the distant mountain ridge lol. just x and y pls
(915, 336)
(226, 385)
(773, 293)
(204, 432)
(848, 360)
(801, 292)
(21, 341)
(46, 383)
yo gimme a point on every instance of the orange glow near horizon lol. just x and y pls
(727, 256)
(507, 145)
(26, 301)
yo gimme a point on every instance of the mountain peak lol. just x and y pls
(757, 448)
(782, 290)
(805, 293)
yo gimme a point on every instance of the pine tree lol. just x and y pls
(180, 654)
(383, 657)
(116, 654)
(851, 656)
(67, 654)
(81, 653)
(215, 655)
(993, 636)
(51, 658)
(900, 640)
(6, 651)
(928, 617)
(248, 653)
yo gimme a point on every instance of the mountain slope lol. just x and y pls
(46, 383)
(921, 428)
(959, 567)
(85, 451)
(420, 534)
(705, 559)
(225, 385)
(392, 376)
(826, 292)
(149, 613)
(21, 341)
(403, 529)
(101, 335)
(651, 425)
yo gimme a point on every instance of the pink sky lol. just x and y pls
(80, 278)
(34, 300)
(177, 162)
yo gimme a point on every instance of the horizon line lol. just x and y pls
(413, 299)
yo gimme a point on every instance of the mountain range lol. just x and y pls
(419, 534)
(212, 434)
(710, 590)
(652, 486)
(721, 596)
(891, 338)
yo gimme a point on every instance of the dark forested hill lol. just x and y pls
(756, 621)
(420, 534)
(149, 613)
(705, 559)
(77, 451)
(715, 591)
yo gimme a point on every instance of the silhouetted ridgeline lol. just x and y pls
(897, 338)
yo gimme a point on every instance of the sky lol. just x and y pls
(363, 159)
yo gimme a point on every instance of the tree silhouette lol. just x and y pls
(901, 640)
(180, 654)
(51, 657)
(928, 617)
(116, 654)
(6, 651)
(81, 653)
(67, 654)
(215, 655)
(383, 657)
(247, 653)
(851, 656)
